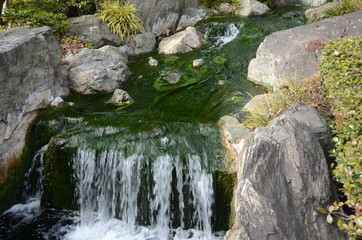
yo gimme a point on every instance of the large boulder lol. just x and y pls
(182, 42)
(319, 13)
(282, 181)
(98, 70)
(90, 29)
(140, 44)
(312, 3)
(190, 16)
(161, 16)
(29, 81)
(294, 53)
(252, 7)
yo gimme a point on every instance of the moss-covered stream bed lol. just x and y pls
(150, 170)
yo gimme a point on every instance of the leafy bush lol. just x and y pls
(121, 18)
(35, 18)
(341, 70)
(346, 6)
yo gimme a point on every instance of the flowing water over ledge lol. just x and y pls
(153, 170)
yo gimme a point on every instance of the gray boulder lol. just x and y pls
(294, 53)
(319, 13)
(121, 97)
(161, 16)
(190, 16)
(182, 42)
(226, 8)
(29, 80)
(173, 78)
(140, 44)
(252, 7)
(282, 180)
(92, 30)
(98, 70)
(57, 102)
(313, 3)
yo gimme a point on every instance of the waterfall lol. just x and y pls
(111, 187)
(229, 34)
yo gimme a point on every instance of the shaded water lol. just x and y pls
(151, 170)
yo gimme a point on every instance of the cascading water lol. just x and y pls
(150, 171)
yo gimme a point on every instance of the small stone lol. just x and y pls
(289, 15)
(198, 62)
(221, 82)
(57, 102)
(173, 78)
(72, 104)
(121, 97)
(226, 8)
(153, 62)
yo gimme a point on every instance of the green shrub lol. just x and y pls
(35, 18)
(341, 70)
(346, 6)
(121, 18)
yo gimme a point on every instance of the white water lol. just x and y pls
(230, 33)
(109, 184)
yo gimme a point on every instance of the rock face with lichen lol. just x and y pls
(294, 53)
(282, 180)
(29, 81)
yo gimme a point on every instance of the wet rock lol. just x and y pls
(198, 62)
(289, 14)
(153, 62)
(190, 16)
(57, 102)
(121, 97)
(317, 14)
(226, 8)
(251, 7)
(142, 43)
(173, 78)
(273, 63)
(29, 80)
(90, 29)
(98, 70)
(182, 42)
(282, 179)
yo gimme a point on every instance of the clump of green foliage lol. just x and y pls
(346, 6)
(121, 18)
(341, 70)
(311, 92)
(35, 18)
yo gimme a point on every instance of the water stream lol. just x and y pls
(154, 170)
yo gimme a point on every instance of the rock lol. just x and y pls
(289, 14)
(29, 80)
(153, 62)
(317, 14)
(226, 8)
(285, 3)
(182, 42)
(198, 62)
(282, 179)
(233, 132)
(57, 102)
(273, 63)
(98, 70)
(173, 78)
(142, 43)
(121, 97)
(161, 17)
(90, 29)
(190, 16)
(251, 7)
(261, 100)
(315, 122)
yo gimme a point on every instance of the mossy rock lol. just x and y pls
(59, 189)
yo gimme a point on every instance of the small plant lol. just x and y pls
(121, 18)
(346, 6)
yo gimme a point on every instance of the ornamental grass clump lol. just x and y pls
(341, 70)
(121, 18)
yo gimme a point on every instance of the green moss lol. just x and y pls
(59, 189)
